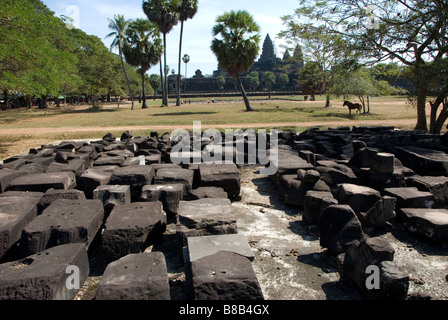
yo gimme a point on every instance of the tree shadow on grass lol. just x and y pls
(183, 113)
(92, 110)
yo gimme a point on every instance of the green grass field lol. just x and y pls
(23, 129)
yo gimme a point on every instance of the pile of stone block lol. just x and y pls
(347, 181)
(117, 195)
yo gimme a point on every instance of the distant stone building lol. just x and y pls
(268, 61)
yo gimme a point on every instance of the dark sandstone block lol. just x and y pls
(224, 276)
(130, 226)
(199, 247)
(112, 196)
(207, 192)
(109, 161)
(15, 214)
(438, 186)
(203, 217)
(381, 212)
(432, 223)
(77, 166)
(338, 226)
(43, 276)
(425, 162)
(140, 276)
(43, 181)
(359, 198)
(6, 176)
(175, 176)
(169, 194)
(52, 195)
(315, 203)
(134, 176)
(92, 179)
(411, 197)
(226, 176)
(63, 222)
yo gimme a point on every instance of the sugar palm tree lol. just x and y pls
(164, 14)
(118, 25)
(238, 45)
(143, 48)
(187, 10)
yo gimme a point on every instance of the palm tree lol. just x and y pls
(118, 25)
(238, 46)
(187, 10)
(143, 48)
(164, 14)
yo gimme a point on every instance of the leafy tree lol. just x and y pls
(163, 13)
(283, 80)
(154, 81)
(253, 80)
(221, 82)
(412, 32)
(311, 79)
(118, 25)
(269, 81)
(238, 45)
(143, 48)
(187, 10)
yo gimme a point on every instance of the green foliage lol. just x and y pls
(237, 45)
(253, 80)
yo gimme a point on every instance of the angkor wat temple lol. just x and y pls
(268, 61)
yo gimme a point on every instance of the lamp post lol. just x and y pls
(186, 59)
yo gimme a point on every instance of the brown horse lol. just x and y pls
(351, 106)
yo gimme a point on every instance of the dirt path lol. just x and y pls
(409, 123)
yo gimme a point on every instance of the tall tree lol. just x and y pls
(414, 32)
(187, 10)
(269, 81)
(143, 48)
(238, 45)
(164, 14)
(118, 25)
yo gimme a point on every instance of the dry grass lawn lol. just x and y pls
(24, 129)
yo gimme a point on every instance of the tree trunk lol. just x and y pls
(144, 106)
(328, 103)
(6, 96)
(180, 58)
(126, 78)
(421, 110)
(165, 80)
(162, 83)
(243, 92)
(43, 102)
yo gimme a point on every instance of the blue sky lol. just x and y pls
(91, 16)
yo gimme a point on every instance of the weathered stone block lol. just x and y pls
(207, 192)
(411, 197)
(224, 276)
(41, 182)
(226, 176)
(6, 176)
(134, 176)
(44, 276)
(15, 214)
(77, 166)
(438, 186)
(205, 217)
(92, 179)
(199, 247)
(338, 225)
(112, 196)
(175, 176)
(52, 195)
(384, 163)
(425, 162)
(314, 204)
(432, 223)
(170, 195)
(140, 276)
(381, 212)
(129, 227)
(360, 198)
(63, 222)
